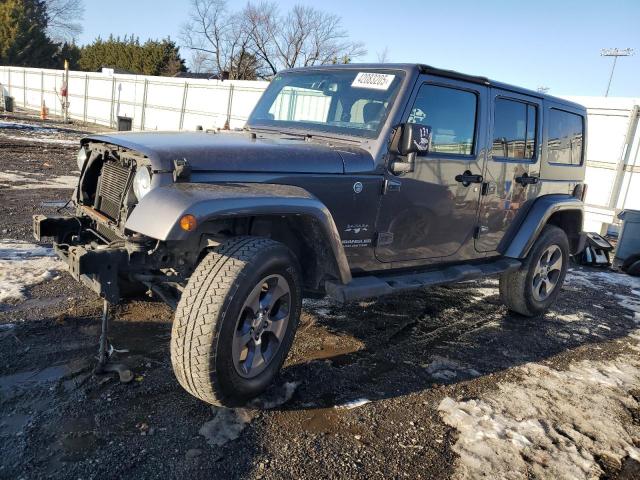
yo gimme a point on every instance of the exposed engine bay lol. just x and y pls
(107, 186)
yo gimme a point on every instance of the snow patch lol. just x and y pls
(552, 424)
(353, 404)
(483, 292)
(28, 180)
(227, 424)
(23, 264)
(35, 133)
(630, 303)
(25, 126)
(444, 368)
(586, 279)
(570, 317)
(32, 139)
(274, 397)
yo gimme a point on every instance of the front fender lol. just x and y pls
(519, 241)
(158, 214)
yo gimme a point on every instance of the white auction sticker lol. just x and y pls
(376, 81)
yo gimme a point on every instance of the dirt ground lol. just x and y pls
(440, 383)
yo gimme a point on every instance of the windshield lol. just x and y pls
(348, 102)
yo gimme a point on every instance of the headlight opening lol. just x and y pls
(81, 157)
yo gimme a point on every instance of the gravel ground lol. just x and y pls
(440, 383)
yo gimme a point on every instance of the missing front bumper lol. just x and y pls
(97, 268)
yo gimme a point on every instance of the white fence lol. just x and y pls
(153, 103)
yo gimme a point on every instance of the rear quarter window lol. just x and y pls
(565, 138)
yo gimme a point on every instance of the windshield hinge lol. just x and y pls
(181, 170)
(391, 186)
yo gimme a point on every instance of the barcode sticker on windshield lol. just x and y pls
(376, 81)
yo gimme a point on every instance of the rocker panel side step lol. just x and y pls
(373, 286)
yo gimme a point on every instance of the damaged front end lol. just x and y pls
(99, 251)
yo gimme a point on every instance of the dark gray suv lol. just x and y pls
(352, 181)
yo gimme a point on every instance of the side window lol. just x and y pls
(451, 114)
(514, 129)
(566, 131)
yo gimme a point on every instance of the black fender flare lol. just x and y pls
(158, 214)
(521, 237)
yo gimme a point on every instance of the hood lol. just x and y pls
(238, 152)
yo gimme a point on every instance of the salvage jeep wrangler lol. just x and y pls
(351, 181)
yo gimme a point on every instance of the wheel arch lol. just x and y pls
(563, 211)
(285, 213)
(304, 235)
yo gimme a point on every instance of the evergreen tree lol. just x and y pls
(71, 53)
(154, 57)
(23, 39)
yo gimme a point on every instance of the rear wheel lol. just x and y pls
(634, 269)
(236, 320)
(534, 287)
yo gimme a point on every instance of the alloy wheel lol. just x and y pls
(547, 273)
(262, 326)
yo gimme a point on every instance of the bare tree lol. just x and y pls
(64, 19)
(303, 37)
(218, 37)
(200, 62)
(383, 56)
(258, 41)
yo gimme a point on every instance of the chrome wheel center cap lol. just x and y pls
(258, 324)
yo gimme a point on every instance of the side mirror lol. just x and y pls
(415, 138)
(409, 139)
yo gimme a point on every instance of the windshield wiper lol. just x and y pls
(304, 135)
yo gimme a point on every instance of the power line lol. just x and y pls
(615, 53)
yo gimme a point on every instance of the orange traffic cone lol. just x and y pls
(44, 111)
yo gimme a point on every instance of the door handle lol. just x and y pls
(467, 178)
(526, 179)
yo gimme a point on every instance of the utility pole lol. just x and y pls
(615, 53)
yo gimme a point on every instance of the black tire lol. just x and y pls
(518, 290)
(630, 262)
(634, 269)
(212, 309)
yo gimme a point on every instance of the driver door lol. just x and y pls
(427, 214)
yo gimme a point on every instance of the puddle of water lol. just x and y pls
(9, 384)
(321, 420)
(327, 421)
(332, 351)
(12, 424)
(77, 447)
(50, 374)
(77, 439)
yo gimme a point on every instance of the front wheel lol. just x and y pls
(534, 287)
(236, 320)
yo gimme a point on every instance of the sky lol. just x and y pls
(541, 43)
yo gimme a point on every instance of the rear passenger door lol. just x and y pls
(512, 168)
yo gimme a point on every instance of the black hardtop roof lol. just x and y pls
(427, 69)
